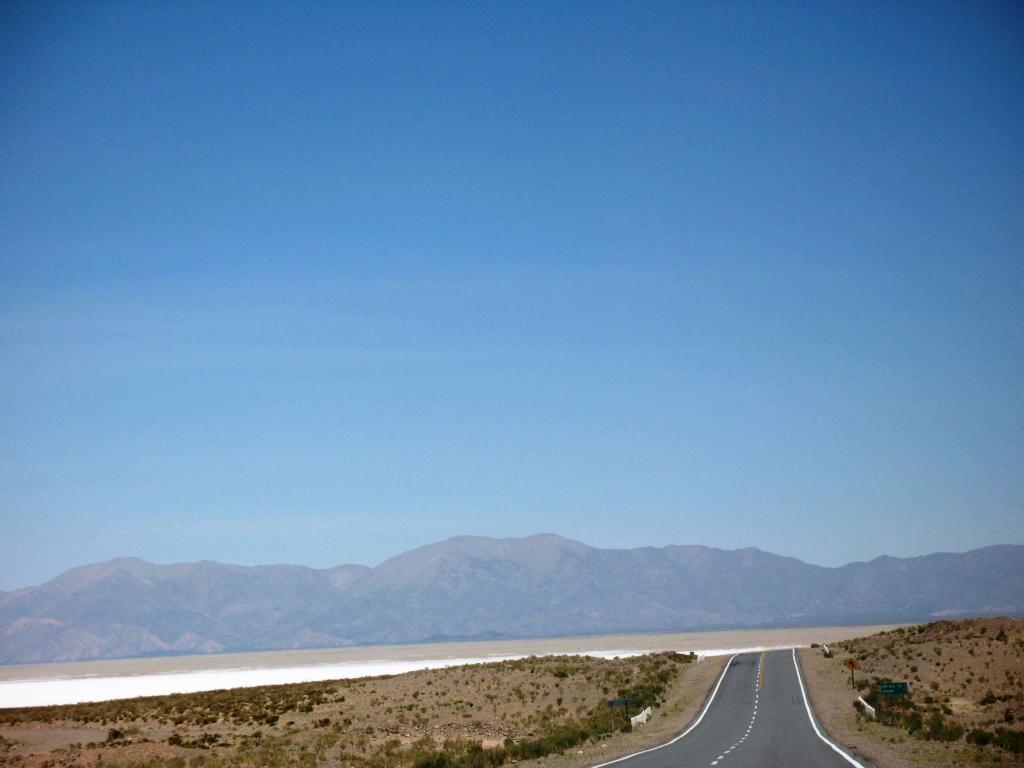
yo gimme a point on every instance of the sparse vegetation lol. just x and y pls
(965, 695)
(480, 716)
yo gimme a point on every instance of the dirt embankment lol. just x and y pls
(965, 701)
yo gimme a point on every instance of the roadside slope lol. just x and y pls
(966, 693)
(472, 716)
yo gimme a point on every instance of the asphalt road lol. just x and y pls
(757, 719)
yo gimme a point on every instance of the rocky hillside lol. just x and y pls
(472, 587)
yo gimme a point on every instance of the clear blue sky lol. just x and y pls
(318, 283)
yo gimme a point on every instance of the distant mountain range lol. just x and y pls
(480, 588)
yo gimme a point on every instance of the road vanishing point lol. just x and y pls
(758, 716)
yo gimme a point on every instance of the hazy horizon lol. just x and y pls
(318, 284)
(425, 544)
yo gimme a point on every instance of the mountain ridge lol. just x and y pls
(473, 587)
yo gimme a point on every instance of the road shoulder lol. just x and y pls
(828, 689)
(684, 702)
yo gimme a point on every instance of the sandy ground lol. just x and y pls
(832, 697)
(828, 688)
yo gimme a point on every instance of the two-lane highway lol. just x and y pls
(757, 717)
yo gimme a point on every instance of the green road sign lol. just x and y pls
(893, 689)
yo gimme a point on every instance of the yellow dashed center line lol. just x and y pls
(760, 672)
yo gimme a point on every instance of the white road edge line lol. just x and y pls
(693, 725)
(810, 716)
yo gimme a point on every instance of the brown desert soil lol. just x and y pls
(970, 672)
(682, 705)
(377, 722)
